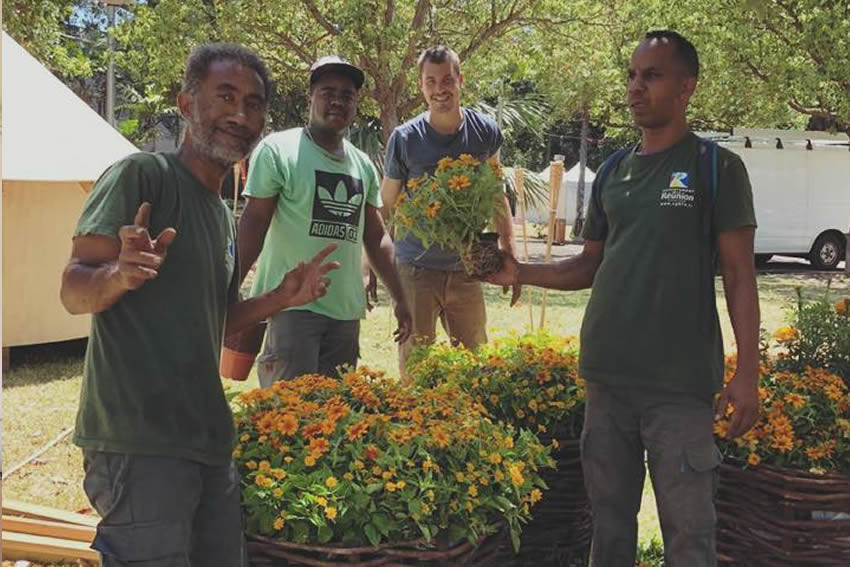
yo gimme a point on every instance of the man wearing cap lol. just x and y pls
(308, 187)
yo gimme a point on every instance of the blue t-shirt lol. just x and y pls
(414, 148)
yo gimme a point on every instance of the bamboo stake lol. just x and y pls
(519, 173)
(556, 174)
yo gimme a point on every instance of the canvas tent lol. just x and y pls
(567, 199)
(54, 147)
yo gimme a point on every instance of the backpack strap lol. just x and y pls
(609, 165)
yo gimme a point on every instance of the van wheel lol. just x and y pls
(827, 252)
(762, 260)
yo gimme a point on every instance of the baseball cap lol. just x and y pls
(333, 63)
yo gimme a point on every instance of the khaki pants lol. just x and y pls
(454, 297)
(626, 428)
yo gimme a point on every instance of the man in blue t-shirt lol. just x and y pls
(434, 282)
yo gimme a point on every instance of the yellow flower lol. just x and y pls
(473, 490)
(459, 476)
(278, 524)
(263, 439)
(277, 493)
(310, 460)
(415, 182)
(387, 475)
(322, 501)
(520, 414)
(430, 495)
(495, 458)
(287, 459)
(251, 465)
(445, 164)
(244, 437)
(279, 474)
(390, 486)
(376, 470)
(348, 476)
(536, 496)
(330, 512)
(469, 507)
(260, 480)
(400, 484)
(784, 334)
(331, 482)
(753, 459)
(516, 475)
(508, 442)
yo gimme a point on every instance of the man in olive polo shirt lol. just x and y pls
(651, 346)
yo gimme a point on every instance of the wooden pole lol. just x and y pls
(519, 173)
(556, 174)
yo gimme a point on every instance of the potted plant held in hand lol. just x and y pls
(452, 207)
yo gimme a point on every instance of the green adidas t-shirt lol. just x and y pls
(321, 201)
(151, 383)
(652, 317)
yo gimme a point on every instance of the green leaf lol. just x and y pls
(374, 487)
(372, 534)
(326, 533)
(383, 523)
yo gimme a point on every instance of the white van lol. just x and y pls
(801, 191)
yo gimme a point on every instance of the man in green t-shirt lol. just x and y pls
(307, 187)
(651, 347)
(154, 424)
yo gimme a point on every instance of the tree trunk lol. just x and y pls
(389, 116)
(582, 160)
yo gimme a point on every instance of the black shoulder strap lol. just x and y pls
(609, 165)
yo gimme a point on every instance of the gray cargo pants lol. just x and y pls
(164, 512)
(624, 429)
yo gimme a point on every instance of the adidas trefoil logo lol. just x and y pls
(339, 204)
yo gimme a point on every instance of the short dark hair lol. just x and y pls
(439, 54)
(685, 51)
(202, 57)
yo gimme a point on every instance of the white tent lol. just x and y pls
(567, 199)
(54, 148)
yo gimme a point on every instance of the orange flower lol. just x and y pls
(785, 334)
(288, 425)
(371, 452)
(433, 209)
(414, 183)
(357, 430)
(843, 306)
(458, 182)
(753, 459)
(319, 445)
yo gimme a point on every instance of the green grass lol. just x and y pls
(40, 392)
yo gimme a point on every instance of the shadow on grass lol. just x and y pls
(814, 286)
(44, 363)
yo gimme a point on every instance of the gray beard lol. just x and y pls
(204, 143)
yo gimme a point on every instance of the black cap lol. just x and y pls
(333, 63)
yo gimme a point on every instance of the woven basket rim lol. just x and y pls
(785, 473)
(391, 547)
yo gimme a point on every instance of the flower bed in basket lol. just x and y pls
(530, 382)
(784, 492)
(362, 471)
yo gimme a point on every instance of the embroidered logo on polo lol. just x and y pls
(337, 206)
(679, 193)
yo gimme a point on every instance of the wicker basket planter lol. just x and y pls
(782, 517)
(492, 551)
(560, 532)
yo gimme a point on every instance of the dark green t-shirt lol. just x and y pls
(652, 317)
(151, 383)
